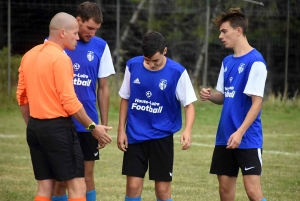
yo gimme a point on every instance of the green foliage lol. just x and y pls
(280, 101)
(8, 98)
(183, 23)
(15, 63)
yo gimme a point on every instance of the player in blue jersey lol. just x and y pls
(152, 92)
(92, 63)
(240, 89)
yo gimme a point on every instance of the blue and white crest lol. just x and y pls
(90, 55)
(241, 67)
(162, 84)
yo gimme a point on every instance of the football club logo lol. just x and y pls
(148, 94)
(90, 55)
(162, 84)
(76, 66)
(241, 67)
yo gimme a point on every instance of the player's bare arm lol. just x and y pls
(236, 138)
(122, 141)
(215, 97)
(186, 137)
(25, 112)
(103, 100)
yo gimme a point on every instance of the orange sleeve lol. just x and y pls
(63, 75)
(21, 89)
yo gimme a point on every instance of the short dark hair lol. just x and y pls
(90, 10)
(152, 43)
(235, 17)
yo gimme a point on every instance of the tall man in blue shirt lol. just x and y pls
(240, 89)
(92, 63)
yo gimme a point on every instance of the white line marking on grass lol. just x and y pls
(265, 135)
(281, 134)
(264, 151)
(282, 153)
(201, 144)
(7, 136)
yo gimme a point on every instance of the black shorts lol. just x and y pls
(54, 148)
(88, 146)
(228, 161)
(158, 153)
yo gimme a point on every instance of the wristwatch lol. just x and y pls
(91, 127)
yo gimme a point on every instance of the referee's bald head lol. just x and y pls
(63, 30)
(62, 21)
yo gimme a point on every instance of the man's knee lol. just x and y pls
(163, 190)
(60, 185)
(227, 193)
(254, 195)
(59, 189)
(76, 187)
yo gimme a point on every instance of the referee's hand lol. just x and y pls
(101, 135)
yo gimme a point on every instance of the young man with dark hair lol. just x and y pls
(240, 89)
(92, 64)
(152, 92)
(53, 142)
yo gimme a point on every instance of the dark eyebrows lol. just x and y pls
(91, 28)
(149, 59)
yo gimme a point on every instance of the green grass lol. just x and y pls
(191, 180)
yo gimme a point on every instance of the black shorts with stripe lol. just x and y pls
(88, 146)
(229, 161)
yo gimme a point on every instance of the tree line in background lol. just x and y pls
(183, 23)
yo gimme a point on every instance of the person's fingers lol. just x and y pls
(107, 127)
(181, 140)
(186, 145)
(101, 146)
(122, 146)
(107, 139)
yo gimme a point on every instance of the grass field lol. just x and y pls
(191, 180)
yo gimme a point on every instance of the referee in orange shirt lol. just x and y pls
(47, 100)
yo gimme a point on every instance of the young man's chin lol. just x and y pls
(85, 39)
(227, 46)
